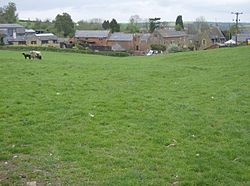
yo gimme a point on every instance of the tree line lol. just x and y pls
(64, 26)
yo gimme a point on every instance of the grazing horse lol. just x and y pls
(27, 56)
(33, 55)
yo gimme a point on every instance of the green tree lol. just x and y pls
(93, 24)
(37, 24)
(233, 29)
(201, 24)
(132, 26)
(105, 25)
(153, 24)
(179, 23)
(114, 26)
(1, 15)
(64, 24)
(8, 13)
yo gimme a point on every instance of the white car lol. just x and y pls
(152, 52)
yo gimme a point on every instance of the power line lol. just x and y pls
(237, 22)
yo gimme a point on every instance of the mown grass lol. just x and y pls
(72, 119)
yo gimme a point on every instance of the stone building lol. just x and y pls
(167, 37)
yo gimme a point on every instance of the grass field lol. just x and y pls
(178, 119)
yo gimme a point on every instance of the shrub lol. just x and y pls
(173, 48)
(70, 50)
(158, 47)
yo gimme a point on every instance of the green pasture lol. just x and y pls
(76, 119)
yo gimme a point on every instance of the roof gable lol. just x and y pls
(145, 36)
(215, 32)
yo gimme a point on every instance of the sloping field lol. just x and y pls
(179, 119)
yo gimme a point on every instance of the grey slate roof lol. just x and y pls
(145, 37)
(120, 36)
(215, 32)
(171, 33)
(193, 37)
(92, 33)
(18, 38)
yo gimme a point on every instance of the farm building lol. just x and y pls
(92, 37)
(47, 39)
(167, 37)
(121, 41)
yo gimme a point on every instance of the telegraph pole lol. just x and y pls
(237, 22)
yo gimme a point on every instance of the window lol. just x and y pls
(137, 47)
(45, 42)
(21, 42)
(33, 42)
(203, 42)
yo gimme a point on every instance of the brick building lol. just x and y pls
(120, 41)
(92, 37)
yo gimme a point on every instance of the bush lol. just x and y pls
(173, 48)
(69, 50)
(158, 47)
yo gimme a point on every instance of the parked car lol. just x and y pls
(153, 52)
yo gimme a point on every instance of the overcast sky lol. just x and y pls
(168, 10)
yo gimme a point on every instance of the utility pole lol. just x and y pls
(237, 22)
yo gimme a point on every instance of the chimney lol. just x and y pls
(14, 35)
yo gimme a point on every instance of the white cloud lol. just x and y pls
(168, 10)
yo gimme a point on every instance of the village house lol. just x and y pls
(120, 41)
(216, 35)
(212, 38)
(167, 37)
(92, 37)
(117, 41)
(141, 43)
(12, 30)
(136, 43)
(199, 41)
(46, 39)
(15, 34)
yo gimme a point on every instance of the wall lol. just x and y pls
(94, 41)
(128, 45)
